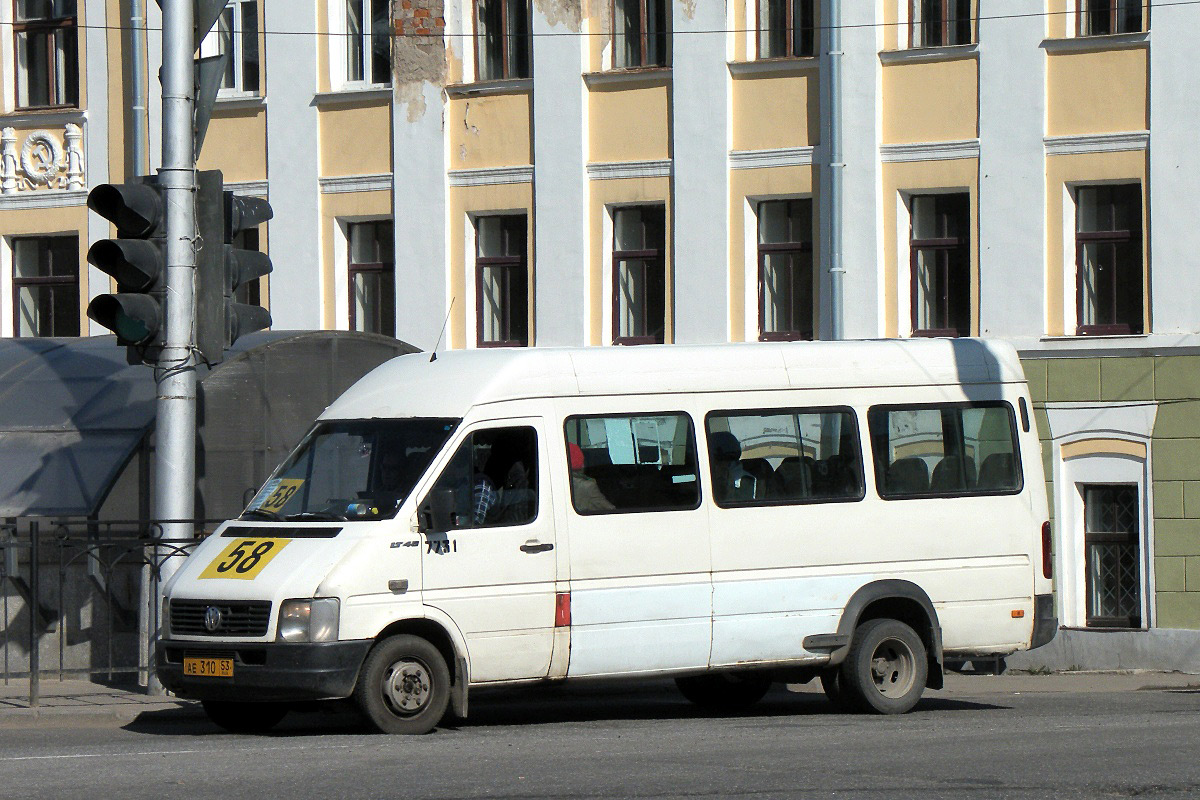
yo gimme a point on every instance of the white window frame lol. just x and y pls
(1070, 294)
(338, 78)
(750, 262)
(6, 283)
(1078, 422)
(211, 46)
(1077, 8)
(8, 63)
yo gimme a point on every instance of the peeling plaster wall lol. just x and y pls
(419, 52)
(568, 13)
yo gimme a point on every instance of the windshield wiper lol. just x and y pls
(261, 512)
(324, 516)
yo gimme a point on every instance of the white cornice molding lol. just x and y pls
(247, 188)
(490, 176)
(232, 102)
(1096, 143)
(357, 183)
(56, 118)
(773, 66)
(378, 95)
(489, 88)
(616, 170)
(779, 157)
(654, 76)
(954, 52)
(45, 198)
(1112, 41)
(929, 151)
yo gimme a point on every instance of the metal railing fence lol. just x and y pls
(79, 597)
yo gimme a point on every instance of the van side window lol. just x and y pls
(784, 456)
(494, 478)
(632, 463)
(945, 450)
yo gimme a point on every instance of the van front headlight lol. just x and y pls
(309, 620)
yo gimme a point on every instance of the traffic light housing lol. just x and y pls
(221, 268)
(136, 259)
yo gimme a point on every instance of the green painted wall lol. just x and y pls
(1174, 382)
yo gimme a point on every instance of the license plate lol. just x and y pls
(208, 667)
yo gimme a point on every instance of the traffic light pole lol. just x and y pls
(175, 373)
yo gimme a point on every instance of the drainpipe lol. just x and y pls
(831, 115)
(137, 100)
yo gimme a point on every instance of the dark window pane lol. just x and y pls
(518, 38)
(772, 34)
(632, 463)
(1098, 17)
(354, 40)
(940, 256)
(493, 478)
(783, 456)
(381, 42)
(944, 450)
(1112, 533)
(250, 47)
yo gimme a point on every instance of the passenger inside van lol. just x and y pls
(585, 492)
(732, 483)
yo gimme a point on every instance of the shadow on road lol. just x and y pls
(547, 705)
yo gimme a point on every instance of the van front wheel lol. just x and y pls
(404, 686)
(724, 691)
(886, 668)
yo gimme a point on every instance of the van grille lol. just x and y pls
(240, 618)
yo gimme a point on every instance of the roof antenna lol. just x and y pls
(433, 355)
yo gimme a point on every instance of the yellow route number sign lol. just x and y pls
(244, 559)
(279, 494)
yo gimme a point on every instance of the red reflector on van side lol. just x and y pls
(1047, 556)
(562, 610)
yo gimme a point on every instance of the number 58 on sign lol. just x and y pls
(244, 558)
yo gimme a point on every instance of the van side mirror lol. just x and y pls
(437, 512)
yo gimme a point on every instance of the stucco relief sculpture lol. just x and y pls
(45, 160)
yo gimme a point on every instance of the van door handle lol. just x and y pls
(534, 546)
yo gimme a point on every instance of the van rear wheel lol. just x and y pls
(724, 691)
(886, 668)
(404, 686)
(244, 717)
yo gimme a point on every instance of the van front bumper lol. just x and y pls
(264, 671)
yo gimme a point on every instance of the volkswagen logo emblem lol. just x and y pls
(212, 618)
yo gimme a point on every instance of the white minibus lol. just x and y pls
(726, 515)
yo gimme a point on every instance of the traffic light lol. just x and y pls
(136, 259)
(243, 266)
(221, 268)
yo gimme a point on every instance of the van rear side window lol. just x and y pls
(953, 449)
(784, 456)
(630, 463)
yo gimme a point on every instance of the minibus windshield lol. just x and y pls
(351, 470)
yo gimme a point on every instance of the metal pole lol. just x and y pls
(175, 462)
(35, 662)
(137, 101)
(832, 91)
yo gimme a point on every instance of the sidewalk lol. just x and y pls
(82, 698)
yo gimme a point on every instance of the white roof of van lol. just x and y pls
(448, 386)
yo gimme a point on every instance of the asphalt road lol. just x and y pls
(638, 742)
